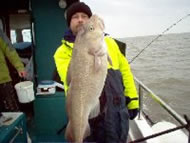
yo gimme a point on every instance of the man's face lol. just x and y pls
(77, 20)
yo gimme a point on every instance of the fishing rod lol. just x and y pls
(167, 29)
(187, 126)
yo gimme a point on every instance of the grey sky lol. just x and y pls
(127, 18)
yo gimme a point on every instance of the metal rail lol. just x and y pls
(18, 132)
(157, 99)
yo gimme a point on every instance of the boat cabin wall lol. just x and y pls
(49, 27)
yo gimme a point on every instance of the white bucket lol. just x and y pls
(25, 91)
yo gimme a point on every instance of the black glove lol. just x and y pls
(133, 113)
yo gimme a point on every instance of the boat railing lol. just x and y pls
(143, 88)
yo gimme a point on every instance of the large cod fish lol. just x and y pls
(86, 76)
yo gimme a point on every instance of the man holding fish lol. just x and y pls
(100, 89)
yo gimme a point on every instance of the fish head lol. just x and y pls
(93, 28)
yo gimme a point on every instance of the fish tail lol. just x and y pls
(68, 133)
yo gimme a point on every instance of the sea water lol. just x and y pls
(164, 67)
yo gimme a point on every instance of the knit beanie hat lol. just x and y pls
(77, 7)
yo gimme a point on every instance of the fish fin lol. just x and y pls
(95, 111)
(87, 131)
(92, 51)
(68, 133)
(109, 60)
(97, 62)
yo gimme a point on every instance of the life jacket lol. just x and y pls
(63, 55)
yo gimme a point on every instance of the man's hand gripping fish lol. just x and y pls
(86, 76)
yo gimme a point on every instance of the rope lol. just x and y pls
(167, 29)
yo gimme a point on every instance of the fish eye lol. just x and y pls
(91, 28)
